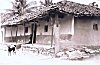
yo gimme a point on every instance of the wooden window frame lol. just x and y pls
(26, 29)
(46, 28)
(95, 27)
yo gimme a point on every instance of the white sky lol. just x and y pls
(6, 4)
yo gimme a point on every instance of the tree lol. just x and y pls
(94, 4)
(46, 3)
(20, 7)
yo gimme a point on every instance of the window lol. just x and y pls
(46, 28)
(57, 25)
(95, 26)
(26, 29)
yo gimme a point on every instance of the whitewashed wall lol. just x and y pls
(42, 36)
(40, 29)
(20, 31)
(84, 33)
(65, 28)
(8, 31)
(66, 25)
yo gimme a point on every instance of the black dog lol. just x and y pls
(11, 49)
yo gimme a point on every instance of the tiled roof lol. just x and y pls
(68, 7)
(78, 9)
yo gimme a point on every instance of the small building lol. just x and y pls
(61, 24)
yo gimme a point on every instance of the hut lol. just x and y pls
(60, 24)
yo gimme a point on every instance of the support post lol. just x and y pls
(4, 34)
(32, 33)
(16, 33)
(73, 25)
(24, 34)
(52, 32)
(33, 29)
(56, 35)
(11, 34)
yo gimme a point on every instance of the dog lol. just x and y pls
(10, 49)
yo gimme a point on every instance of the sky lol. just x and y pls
(6, 4)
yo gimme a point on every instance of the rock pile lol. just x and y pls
(78, 54)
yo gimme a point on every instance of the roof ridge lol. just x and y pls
(74, 7)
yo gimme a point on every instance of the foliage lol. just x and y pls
(46, 3)
(20, 7)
